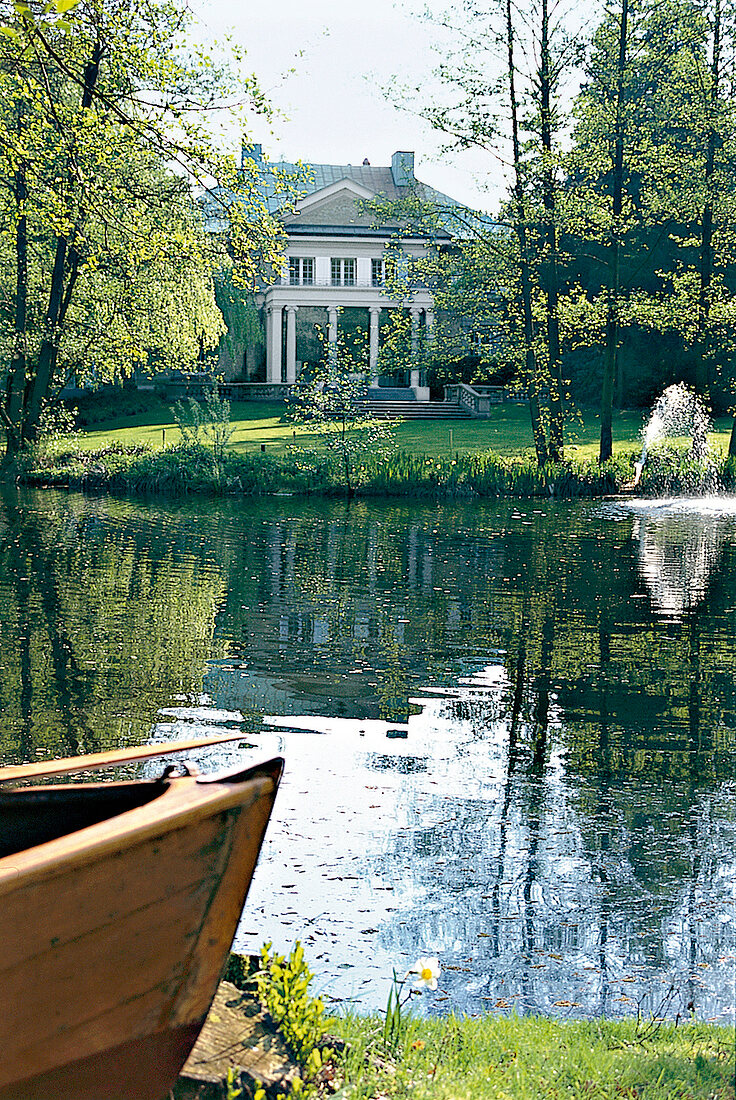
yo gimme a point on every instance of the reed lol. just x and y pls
(193, 468)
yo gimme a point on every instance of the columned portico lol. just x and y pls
(375, 316)
(273, 343)
(283, 301)
(415, 312)
(332, 315)
(291, 344)
(429, 326)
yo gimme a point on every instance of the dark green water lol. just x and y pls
(510, 731)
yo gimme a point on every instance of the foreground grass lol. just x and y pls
(508, 1058)
(486, 1057)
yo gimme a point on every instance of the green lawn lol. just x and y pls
(507, 431)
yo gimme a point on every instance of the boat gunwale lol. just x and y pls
(183, 802)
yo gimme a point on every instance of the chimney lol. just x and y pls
(251, 152)
(402, 168)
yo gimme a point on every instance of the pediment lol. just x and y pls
(339, 205)
(341, 187)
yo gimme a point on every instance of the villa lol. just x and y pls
(334, 272)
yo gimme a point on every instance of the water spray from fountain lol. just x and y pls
(680, 413)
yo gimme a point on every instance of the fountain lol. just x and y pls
(680, 413)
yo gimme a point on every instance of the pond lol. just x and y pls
(510, 729)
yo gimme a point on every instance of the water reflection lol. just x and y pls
(679, 548)
(499, 748)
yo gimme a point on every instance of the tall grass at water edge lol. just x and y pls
(179, 470)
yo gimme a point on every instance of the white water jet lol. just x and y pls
(679, 413)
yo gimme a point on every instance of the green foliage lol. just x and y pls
(329, 401)
(206, 423)
(191, 468)
(652, 286)
(231, 1085)
(395, 1019)
(105, 264)
(283, 988)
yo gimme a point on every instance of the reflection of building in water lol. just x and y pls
(677, 554)
(348, 614)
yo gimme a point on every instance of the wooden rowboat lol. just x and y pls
(118, 905)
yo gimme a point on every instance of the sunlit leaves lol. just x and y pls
(109, 131)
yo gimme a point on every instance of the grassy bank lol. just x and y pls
(177, 469)
(534, 1058)
(142, 451)
(399, 1055)
(138, 468)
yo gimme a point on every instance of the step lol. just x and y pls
(414, 410)
(391, 393)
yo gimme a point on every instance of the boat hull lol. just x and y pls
(115, 936)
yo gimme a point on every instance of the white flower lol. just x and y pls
(425, 973)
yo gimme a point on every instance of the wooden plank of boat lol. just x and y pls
(118, 906)
(95, 761)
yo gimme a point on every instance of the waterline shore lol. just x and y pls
(270, 1038)
(180, 470)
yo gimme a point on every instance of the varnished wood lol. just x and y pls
(94, 761)
(115, 936)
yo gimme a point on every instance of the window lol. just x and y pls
(377, 273)
(301, 270)
(342, 271)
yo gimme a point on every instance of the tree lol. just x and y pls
(651, 194)
(105, 129)
(502, 93)
(329, 400)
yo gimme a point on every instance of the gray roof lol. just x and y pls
(305, 179)
(313, 177)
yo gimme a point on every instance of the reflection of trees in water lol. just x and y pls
(535, 890)
(103, 620)
(357, 610)
(597, 868)
(585, 733)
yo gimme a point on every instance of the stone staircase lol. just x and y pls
(400, 404)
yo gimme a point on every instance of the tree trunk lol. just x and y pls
(16, 384)
(702, 365)
(520, 227)
(610, 362)
(551, 276)
(63, 277)
(732, 442)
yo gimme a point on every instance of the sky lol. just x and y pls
(323, 64)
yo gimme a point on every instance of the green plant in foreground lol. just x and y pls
(283, 988)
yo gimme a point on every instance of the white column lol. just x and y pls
(332, 314)
(291, 344)
(375, 314)
(269, 329)
(429, 326)
(415, 311)
(273, 348)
